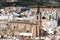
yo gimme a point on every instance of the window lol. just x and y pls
(50, 17)
(37, 17)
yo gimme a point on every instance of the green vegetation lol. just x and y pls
(31, 3)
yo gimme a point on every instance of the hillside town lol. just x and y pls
(19, 22)
(22, 21)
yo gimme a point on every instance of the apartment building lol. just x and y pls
(14, 26)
